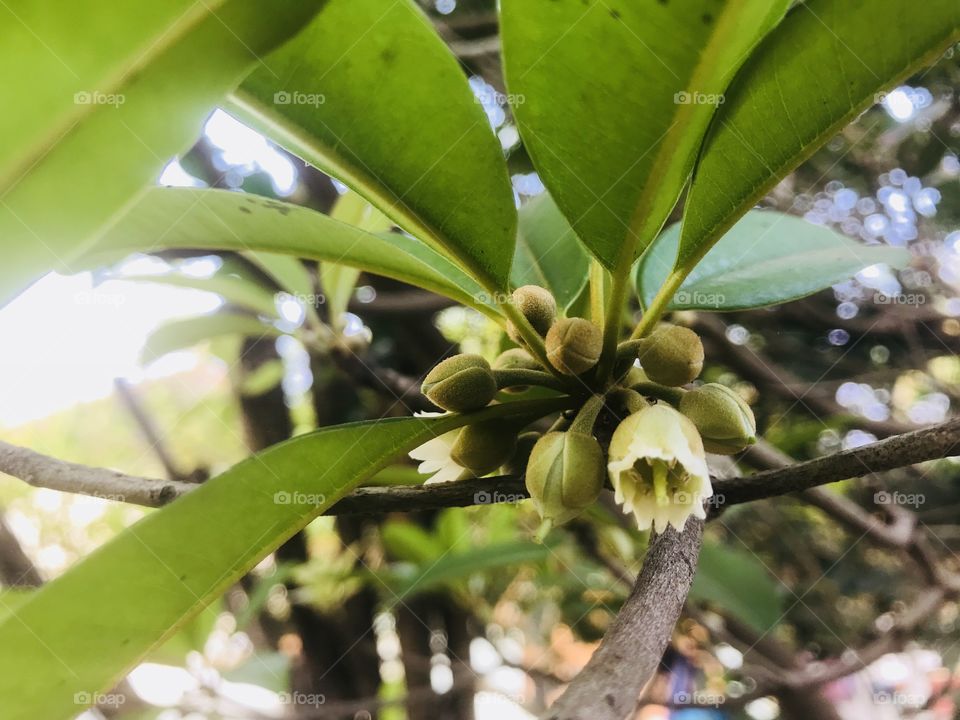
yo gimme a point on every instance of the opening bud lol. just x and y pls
(564, 475)
(460, 383)
(537, 305)
(484, 447)
(574, 345)
(671, 355)
(723, 418)
(658, 469)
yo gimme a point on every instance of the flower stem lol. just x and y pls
(587, 417)
(671, 394)
(597, 292)
(659, 303)
(514, 377)
(611, 328)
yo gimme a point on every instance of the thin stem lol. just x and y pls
(671, 394)
(611, 328)
(587, 416)
(659, 303)
(516, 377)
(597, 291)
(531, 337)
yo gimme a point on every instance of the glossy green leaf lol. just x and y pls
(221, 220)
(338, 281)
(92, 117)
(765, 259)
(370, 94)
(180, 334)
(81, 632)
(613, 98)
(548, 252)
(816, 72)
(736, 581)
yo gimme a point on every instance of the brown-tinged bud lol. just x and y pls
(671, 355)
(565, 475)
(723, 418)
(460, 383)
(483, 447)
(537, 305)
(574, 345)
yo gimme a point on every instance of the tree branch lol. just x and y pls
(609, 686)
(918, 446)
(910, 448)
(43, 471)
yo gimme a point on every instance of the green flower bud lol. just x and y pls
(516, 359)
(723, 418)
(484, 447)
(460, 383)
(564, 475)
(537, 305)
(671, 355)
(574, 345)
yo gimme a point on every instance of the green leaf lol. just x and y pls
(738, 582)
(411, 543)
(81, 632)
(815, 73)
(371, 95)
(338, 281)
(263, 379)
(98, 113)
(548, 252)
(179, 334)
(222, 220)
(453, 567)
(613, 100)
(765, 259)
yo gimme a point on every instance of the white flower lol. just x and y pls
(658, 468)
(434, 457)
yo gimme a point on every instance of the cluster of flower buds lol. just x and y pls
(665, 423)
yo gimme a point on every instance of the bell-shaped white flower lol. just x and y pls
(435, 459)
(658, 468)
